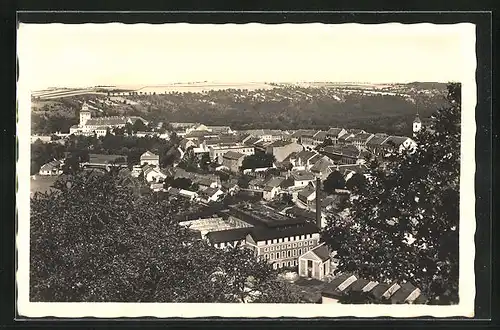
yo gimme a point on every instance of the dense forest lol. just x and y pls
(390, 111)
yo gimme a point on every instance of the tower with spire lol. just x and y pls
(417, 124)
(84, 114)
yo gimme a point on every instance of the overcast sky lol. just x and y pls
(116, 54)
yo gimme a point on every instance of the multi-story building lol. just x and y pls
(267, 135)
(320, 137)
(345, 154)
(360, 139)
(233, 160)
(381, 143)
(307, 139)
(216, 152)
(99, 125)
(302, 160)
(275, 237)
(298, 136)
(282, 149)
(335, 133)
(322, 168)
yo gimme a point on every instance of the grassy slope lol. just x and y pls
(283, 108)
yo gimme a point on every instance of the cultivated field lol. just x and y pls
(40, 183)
(58, 93)
(200, 87)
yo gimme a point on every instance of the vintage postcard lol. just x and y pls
(252, 170)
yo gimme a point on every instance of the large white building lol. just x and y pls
(99, 125)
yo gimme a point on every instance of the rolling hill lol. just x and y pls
(377, 108)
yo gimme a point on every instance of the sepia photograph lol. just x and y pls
(246, 170)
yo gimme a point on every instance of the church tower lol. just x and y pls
(417, 125)
(84, 114)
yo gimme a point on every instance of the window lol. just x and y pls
(272, 248)
(300, 244)
(272, 256)
(266, 256)
(266, 249)
(294, 253)
(300, 252)
(294, 245)
(283, 254)
(288, 253)
(311, 242)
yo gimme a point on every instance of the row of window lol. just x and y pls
(289, 239)
(287, 254)
(288, 246)
(291, 263)
(219, 153)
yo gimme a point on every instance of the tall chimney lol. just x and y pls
(318, 202)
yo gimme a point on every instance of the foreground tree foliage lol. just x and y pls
(404, 224)
(93, 239)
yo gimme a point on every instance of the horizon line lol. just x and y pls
(138, 86)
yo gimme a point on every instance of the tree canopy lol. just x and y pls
(334, 181)
(258, 160)
(404, 226)
(356, 182)
(94, 240)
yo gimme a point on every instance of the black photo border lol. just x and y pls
(484, 115)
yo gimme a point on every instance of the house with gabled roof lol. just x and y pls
(302, 160)
(315, 263)
(302, 178)
(322, 168)
(399, 144)
(196, 135)
(376, 143)
(307, 139)
(272, 188)
(281, 149)
(360, 139)
(344, 154)
(185, 144)
(233, 160)
(154, 174)
(298, 135)
(149, 158)
(349, 283)
(211, 195)
(319, 137)
(51, 168)
(267, 135)
(335, 133)
(307, 195)
(220, 129)
(230, 187)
